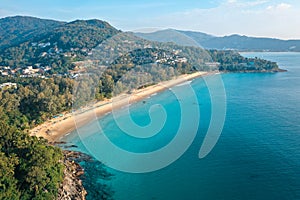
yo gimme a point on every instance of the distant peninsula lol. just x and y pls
(232, 42)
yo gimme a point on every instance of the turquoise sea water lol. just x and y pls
(256, 157)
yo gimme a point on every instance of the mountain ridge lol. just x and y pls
(230, 42)
(17, 29)
(50, 43)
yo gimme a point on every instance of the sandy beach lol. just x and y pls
(54, 129)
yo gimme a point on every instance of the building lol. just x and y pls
(212, 64)
(8, 85)
(29, 70)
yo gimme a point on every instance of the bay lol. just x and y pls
(256, 157)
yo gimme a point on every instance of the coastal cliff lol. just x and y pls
(72, 188)
(81, 177)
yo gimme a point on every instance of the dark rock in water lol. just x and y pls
(94, 178)
(71, 146)
(84, 176)
(64, 145)
(56, 143)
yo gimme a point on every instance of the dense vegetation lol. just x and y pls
(16, 30)
(29, 168)
(233, 62)
(34, 101)
(56, 47)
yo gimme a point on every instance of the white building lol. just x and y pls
(8, 85)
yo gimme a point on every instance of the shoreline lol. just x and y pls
(54, 129)
(72, 187)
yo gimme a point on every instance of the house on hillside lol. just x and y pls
(8, 85)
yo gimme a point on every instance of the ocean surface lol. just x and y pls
(256, 157)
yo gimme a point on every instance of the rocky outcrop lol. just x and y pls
(72, 188)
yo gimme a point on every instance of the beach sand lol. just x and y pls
(55, 129)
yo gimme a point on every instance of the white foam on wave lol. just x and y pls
(182, 84)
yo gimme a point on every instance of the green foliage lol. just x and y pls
(35, 100)
(16, 30)
(49, 47)
(30, 169)
(8, 182)
(233, 62)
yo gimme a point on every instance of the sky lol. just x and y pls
(260, 18)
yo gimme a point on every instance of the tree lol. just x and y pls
(8, 183)
(29, 167)
(107, 85)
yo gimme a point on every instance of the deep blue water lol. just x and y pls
(256, 157)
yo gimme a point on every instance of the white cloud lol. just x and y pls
(253, 18)
(243, 3)
(256, 3)
(231, 1)
(284, 6)
(281, 6)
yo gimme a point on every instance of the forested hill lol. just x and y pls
(33, 41)
(18, 29)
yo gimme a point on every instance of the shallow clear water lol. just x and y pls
(256, 157)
